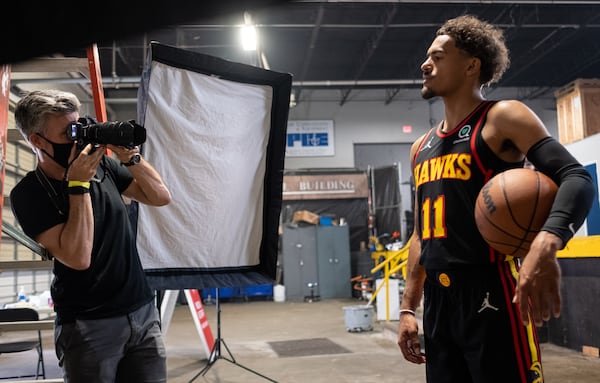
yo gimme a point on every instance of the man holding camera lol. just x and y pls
(107, 326)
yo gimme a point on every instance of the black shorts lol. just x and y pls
(473, 331)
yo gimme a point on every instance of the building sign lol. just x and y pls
(308, 138)
(329, 186)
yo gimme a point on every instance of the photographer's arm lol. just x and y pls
(147, 186)
(71, 243)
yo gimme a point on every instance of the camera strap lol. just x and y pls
(56, 198)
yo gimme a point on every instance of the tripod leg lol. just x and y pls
(228, 352)
(212, 358)
(232, 361)
(215, 353)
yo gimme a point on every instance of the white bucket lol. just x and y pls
(279, 293)
(358, 318)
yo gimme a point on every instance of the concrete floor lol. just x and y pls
(249, 328)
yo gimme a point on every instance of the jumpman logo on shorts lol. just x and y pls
(486, 303)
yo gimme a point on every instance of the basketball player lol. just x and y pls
(477, 321)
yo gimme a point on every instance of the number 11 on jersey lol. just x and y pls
(437, 212)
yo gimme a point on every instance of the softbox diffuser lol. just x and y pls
(216, 134)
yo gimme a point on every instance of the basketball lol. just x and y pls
(512, 207)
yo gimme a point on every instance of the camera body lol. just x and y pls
(87, 131)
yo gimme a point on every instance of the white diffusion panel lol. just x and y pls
(207, 137)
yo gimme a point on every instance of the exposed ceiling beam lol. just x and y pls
(548, 44)
(371, 46)
(530, 94)
(133, 81)
(363, 26)
(579, 67)
(311, 47)
(533, 2)
(390, 94)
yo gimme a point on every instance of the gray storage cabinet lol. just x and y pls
(316, 254)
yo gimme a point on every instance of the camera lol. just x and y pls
(87, 131)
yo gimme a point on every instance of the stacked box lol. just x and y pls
(578, 110)
(306, 216)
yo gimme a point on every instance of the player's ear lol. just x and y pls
(474, 66)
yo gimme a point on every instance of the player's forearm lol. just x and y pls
(415, 277)
(576, 190)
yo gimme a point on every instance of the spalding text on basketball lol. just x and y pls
(452, 165)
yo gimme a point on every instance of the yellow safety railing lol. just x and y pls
(394, 261)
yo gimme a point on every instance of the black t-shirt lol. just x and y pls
(115, 283)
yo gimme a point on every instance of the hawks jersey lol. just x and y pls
(449, 169)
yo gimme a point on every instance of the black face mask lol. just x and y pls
(61, 152)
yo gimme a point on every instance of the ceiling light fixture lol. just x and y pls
(248, 34)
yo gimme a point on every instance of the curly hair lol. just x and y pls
(482, 40)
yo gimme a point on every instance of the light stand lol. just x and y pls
(215, 353)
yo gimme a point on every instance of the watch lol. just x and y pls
(135, 159)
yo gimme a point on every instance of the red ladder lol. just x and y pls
(49, 65)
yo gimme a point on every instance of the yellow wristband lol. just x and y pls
(79, 183)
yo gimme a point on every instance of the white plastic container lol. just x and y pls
(358, 318)
(394, 301)
(279, 293)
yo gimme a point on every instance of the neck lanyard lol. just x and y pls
(56, 198)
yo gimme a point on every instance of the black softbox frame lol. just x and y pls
(174, 277)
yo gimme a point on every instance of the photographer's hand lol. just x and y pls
(147, 186)
(83, 167)
(123, 153)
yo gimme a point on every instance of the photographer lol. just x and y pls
(107, 326)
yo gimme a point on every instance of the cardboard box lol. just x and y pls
(577, 110)
(590, 351)
(306, 216)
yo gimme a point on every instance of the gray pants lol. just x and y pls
(127, 348)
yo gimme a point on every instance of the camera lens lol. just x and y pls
(117, 133)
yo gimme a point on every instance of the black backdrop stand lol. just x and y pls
(215, 353)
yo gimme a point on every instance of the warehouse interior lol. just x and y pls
(341, 49)
(346, 207)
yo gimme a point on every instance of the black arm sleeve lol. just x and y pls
(576, 190)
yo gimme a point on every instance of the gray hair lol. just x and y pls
(33, 109)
